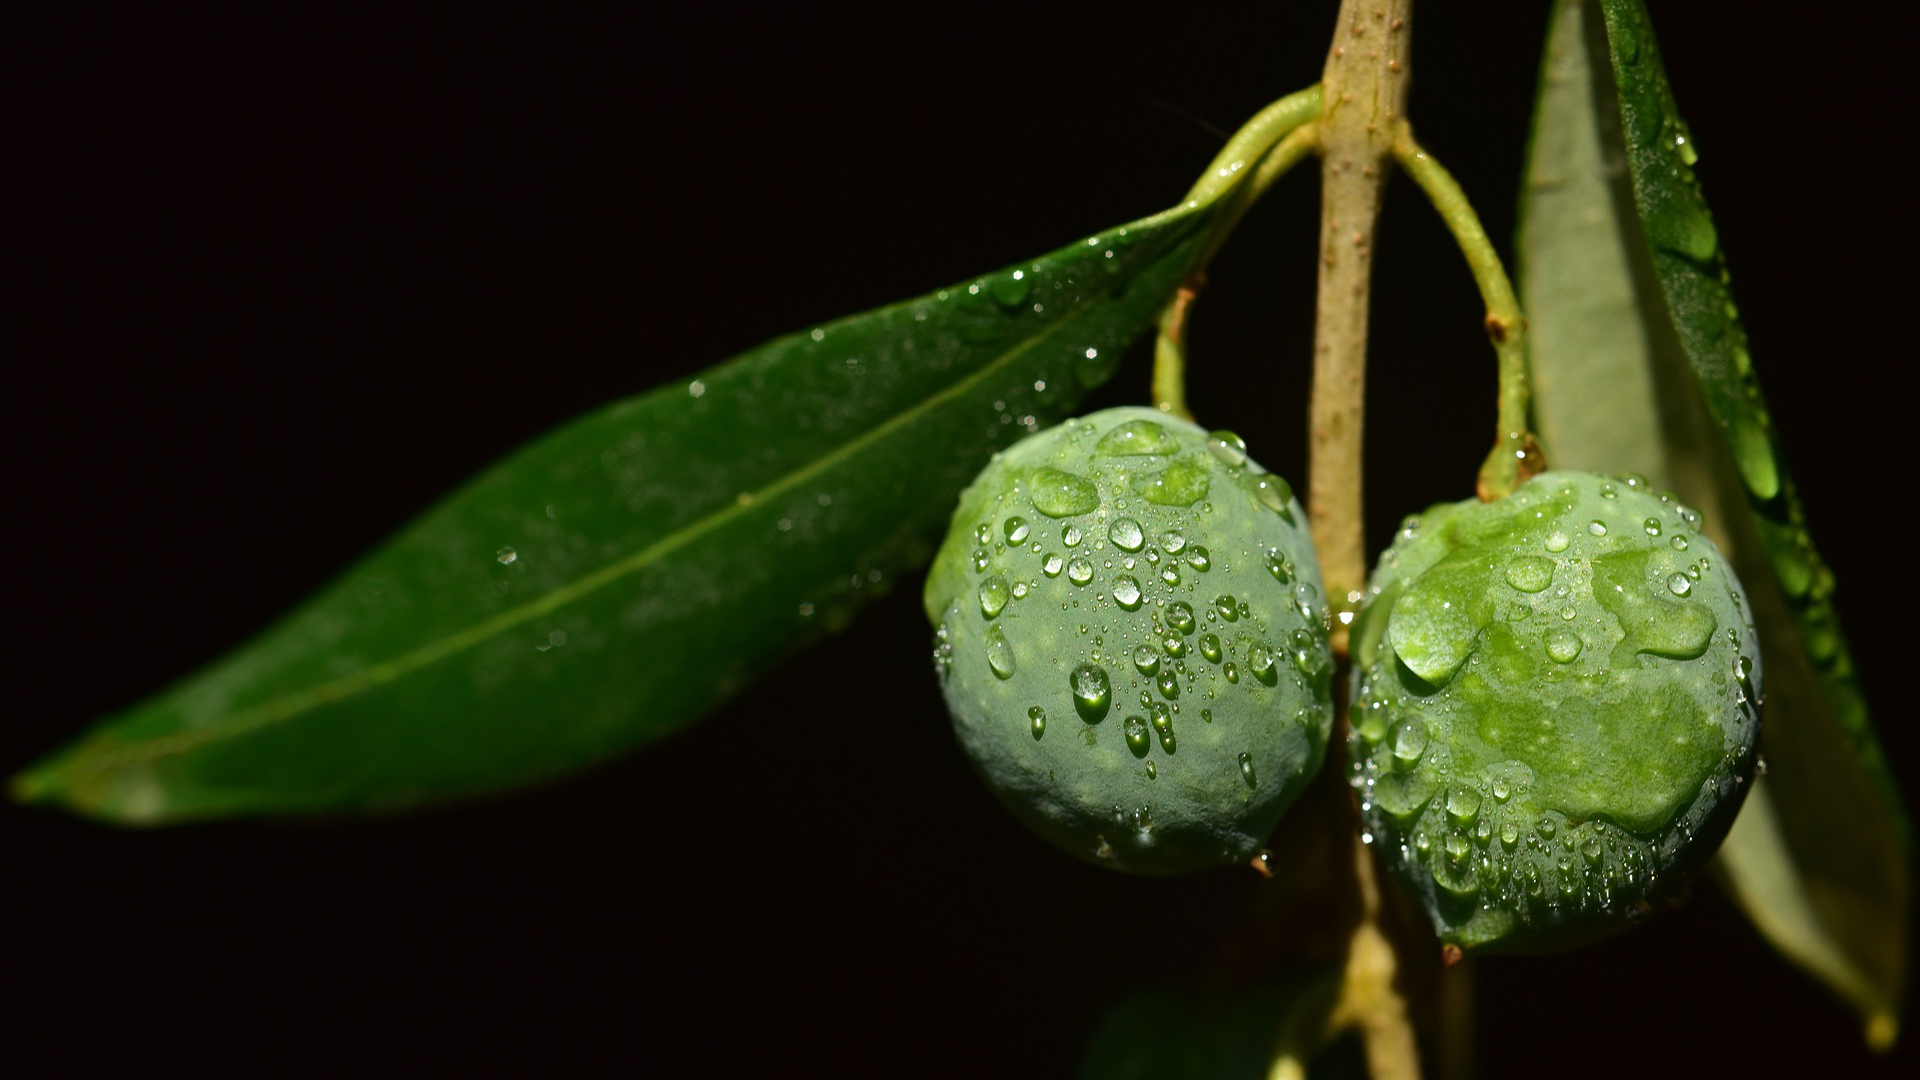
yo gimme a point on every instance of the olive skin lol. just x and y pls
(1555, 709)
(1132, 643)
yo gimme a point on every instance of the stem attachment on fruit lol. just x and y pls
(1170, 347)
(1516, 456)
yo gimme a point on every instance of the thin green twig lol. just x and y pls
(1170, 347)
(1257, 136)
(1516, 456)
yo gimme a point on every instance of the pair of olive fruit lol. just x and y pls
(1555, 694)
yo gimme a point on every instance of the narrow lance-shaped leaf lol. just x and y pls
(1641, 364)
(612, 580)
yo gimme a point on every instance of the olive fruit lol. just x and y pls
(1555, 708)
(1132, 642)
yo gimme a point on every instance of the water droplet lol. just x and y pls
(1138, 741)
(1146, 658)
(1210, 647)
(1016, 530)
(1530, 573)
(1180, 617)
(1169, 684)
(1273, 493)
(1509, 835)
(1174, 645)
(506, 555)
(1052, 565)
(1010, 291)
(1463, 805)
(1230, 671)
(1180, 484)
(1152, 772)
(1071, 536)
(1280, 568)
(1501, 791)
(1228, 447)
(1683, 144)
(1199, 559)
(1260, 663)
(983, 533)
(1678, 585)
(1597, 528)
(981, 560)
(993, 596)
(1137, 437)
(1227, 606)
(1592, 851)
(1246, 769)
(1653, 526)
(1092, 693)
(1563, 646)
(999, 653)
(1172, 541)
(1608, 491)
(1079, 570)
(1126, 535)
(1679, 543)
(1126, 592)
(1062, 494)
(1305, 598)
(1557, 541)
(1409, 741)
(1161, 717)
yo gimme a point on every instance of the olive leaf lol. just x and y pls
(1641, 364)
(611, 581)
(1277, 1027)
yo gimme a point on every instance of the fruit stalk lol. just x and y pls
(1516, 456)
(1257, 155)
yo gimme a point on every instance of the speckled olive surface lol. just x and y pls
(1555, 711)
(1132, 641)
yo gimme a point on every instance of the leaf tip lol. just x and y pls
(67, 779)
(38, 783)
(1882, 1031)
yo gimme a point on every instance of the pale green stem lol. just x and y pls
(1170, 347)
(1251, 143)
(1516, 456)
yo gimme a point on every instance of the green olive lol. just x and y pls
(1132, 642)
(1555, 711)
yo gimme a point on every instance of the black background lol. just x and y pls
(278, 281)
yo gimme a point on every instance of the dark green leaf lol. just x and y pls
(1641, 364)
(1273, 1029)
(611, 581)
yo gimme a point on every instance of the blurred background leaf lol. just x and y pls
(1643, 366)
